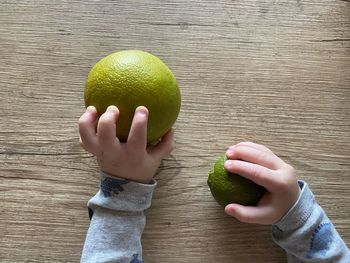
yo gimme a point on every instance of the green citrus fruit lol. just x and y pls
(230, 188)
(132, 78)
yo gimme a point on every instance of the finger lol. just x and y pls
(137, 138)
(106, 129)
(249, 154)
(250, 214)
(256, 146)
(258, 174)
(164, 147)
(87, 129)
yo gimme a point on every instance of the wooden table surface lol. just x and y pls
(273, 72)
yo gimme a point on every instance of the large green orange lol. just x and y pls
(132, 78)
(228, 188)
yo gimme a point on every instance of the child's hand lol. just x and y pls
(262, 166)
(133, 160)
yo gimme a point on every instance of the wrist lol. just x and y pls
(124, 195)
(138, 177)
(300, 211)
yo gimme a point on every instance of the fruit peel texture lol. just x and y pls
(228, 188)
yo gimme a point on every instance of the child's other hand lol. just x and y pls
(262, 166)
(133, 160)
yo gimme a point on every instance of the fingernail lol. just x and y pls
(229, 209)
(229, 151)
(142, 113)
(91, 109)
(112, 109)
(228, 164)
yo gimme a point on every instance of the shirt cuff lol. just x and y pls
(123, 195)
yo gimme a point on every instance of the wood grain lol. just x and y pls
(273, 72)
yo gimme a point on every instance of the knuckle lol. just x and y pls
(240, 147)
(105, 120)
(82, 120)
(266, 149)
(240, 150)
(262, 156)
(242, 143)
(290, 169)
(284, 184)
(288, 177)
(256, 172)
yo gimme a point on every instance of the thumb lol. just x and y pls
(164, 147)
(250, 214)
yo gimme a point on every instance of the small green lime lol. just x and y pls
(229, 188)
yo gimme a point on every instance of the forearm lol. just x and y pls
(117, 221)
(307, 234)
